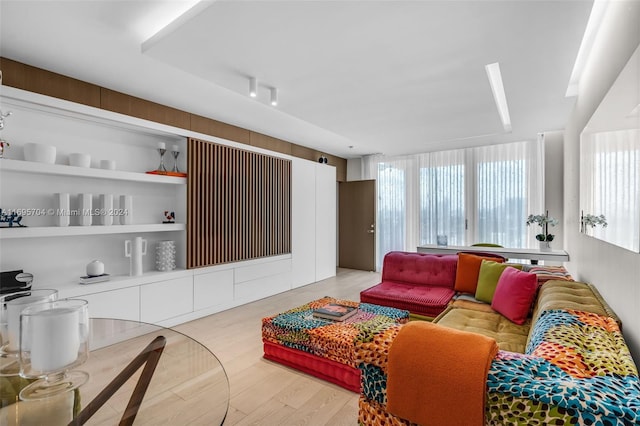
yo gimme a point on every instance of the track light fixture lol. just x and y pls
(253, 87)
(274, 96)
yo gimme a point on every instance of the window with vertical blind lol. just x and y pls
(472, 195)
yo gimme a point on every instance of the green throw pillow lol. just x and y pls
(488, 278)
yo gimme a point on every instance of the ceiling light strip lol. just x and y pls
(495, 80)
(593, 25)
(274, 96)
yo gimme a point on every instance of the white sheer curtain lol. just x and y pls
(470, 195)
(397, 212)
(509, 185)
(610, 165)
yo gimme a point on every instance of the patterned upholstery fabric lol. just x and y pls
(298, 329)
(576, 369)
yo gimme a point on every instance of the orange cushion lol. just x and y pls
(468, 270)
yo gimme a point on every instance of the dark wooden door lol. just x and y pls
(357, 222)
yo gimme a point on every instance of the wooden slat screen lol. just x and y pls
(239, 204)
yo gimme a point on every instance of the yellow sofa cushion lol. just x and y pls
(509, 336)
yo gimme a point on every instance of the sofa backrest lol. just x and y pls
(420, 268)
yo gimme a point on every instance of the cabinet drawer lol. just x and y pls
(166, 299)
(121, 304)
(212, 289)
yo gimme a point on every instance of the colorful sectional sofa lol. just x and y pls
(575, 367)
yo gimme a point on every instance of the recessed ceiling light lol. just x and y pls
(253, 87)
(500, 98)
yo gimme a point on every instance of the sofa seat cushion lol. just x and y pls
(509, 336)
(417, 299)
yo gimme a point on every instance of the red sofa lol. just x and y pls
(421, 283)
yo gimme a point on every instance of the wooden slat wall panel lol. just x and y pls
(239, 205)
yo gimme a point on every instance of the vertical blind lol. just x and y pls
(481, 194)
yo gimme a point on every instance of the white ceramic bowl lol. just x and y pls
(40, 153)
(79, 160)
(108, 164)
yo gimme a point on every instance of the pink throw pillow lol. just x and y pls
(514, 294)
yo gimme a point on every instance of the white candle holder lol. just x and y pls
(54, 338)
(11, 306)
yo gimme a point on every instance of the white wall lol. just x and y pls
(553, 182)
(613, 270)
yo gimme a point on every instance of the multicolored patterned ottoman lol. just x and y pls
(324, 348)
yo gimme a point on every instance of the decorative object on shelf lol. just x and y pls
(40, 153)
(134, 251)
(10, 219)
(78, 159)
(94, 279)
(166, 256)
(3, 144)
(175, 152)
(61, 205)
(53, 340)
(162, 170)
(126, 210)
(106, 209)
(162, 150)
(169, 217)
(590, 221)
(323, 160)
(544, 221)
(85, 202)
(11, 306)
(441, 240)
(95, 268)
(108, 164)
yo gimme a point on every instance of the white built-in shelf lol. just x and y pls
(67, 231)
(63, 170)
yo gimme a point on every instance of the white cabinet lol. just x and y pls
(166, 299)
(303, 222)
(212, 289)
(325, 246)
(122, 304)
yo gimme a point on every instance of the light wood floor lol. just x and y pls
(267, 393)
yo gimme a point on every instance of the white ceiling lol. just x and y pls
(392, 77)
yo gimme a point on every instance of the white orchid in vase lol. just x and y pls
(544, 221)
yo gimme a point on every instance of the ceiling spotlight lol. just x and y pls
(253, 87)
(274, 96)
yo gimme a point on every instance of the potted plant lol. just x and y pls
(590, 220)
(544, 221)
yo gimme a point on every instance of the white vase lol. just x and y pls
(106, 212)
(61, 205)
(84, 209)
(126, 210)
(166, 256)
(135, 250)
(545, 245)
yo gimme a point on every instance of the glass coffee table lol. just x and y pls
(189, 384)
